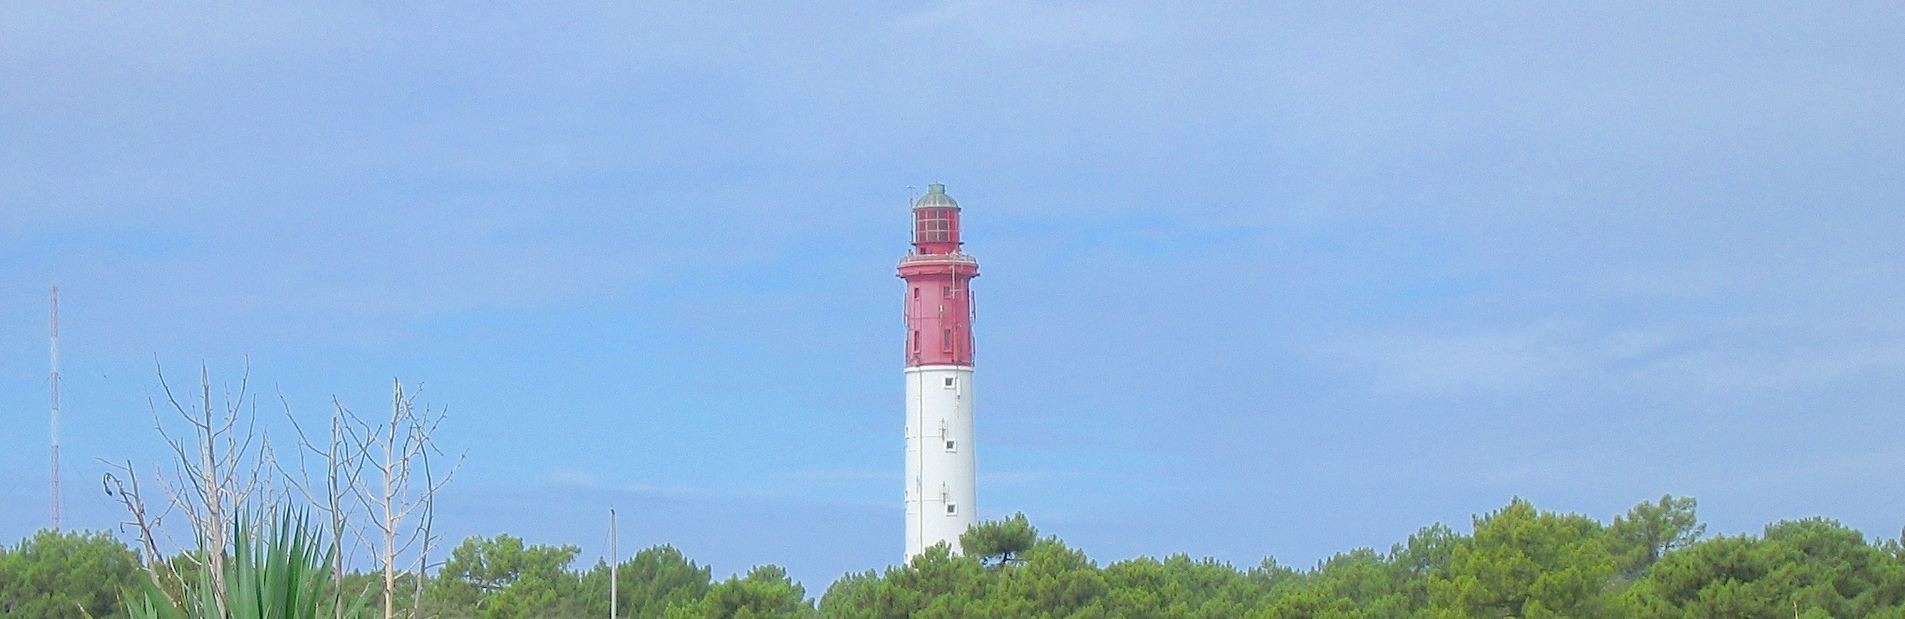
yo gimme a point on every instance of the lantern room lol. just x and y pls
(936, 222)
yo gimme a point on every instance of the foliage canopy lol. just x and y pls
(1518, 561)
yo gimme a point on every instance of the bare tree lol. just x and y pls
(219, 458)
(343, 466)
(384, 469)
(401, 490)
(123, 485)
(376, 478)
(429, 517)
(225, 474)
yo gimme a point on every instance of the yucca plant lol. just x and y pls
(280, 575)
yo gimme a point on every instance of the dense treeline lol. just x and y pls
(1517, 562)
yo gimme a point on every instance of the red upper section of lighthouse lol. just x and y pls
(938, 285)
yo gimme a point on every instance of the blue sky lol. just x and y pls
(1260, 280)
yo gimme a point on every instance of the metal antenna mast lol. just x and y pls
(615, 557)
(56, 408)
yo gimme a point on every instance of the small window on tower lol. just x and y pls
(945, 291)
(952, 509)
(952, 445)
(916, 292)
(951, 382)
(945, 339)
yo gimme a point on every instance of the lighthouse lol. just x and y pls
(941, 473)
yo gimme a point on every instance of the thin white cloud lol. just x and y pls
(1733, 357)
(1000, 26)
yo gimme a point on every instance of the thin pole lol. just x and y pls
(56, 407)
(615, 556)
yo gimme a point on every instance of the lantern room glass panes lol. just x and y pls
(933, 225)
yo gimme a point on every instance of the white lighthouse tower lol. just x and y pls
(941, 484)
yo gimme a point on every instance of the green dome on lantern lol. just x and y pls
(935, 197)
